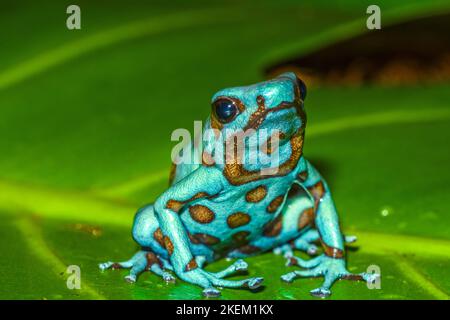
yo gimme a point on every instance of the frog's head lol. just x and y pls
(276, 104)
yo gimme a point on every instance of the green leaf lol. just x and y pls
(85, 124)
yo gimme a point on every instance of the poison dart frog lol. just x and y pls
(215, 209)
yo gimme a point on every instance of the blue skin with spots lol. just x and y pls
(230, 208)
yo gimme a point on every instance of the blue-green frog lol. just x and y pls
(222, 206)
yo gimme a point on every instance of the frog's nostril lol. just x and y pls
(302, 87)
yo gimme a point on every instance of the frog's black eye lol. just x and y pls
(302, 87)
(225, 110)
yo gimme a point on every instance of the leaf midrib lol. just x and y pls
(414, 275)
(87, 208)
(69, 51)
(37, 245)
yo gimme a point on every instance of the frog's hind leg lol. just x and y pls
(152, 256)
(305, 242)
(142, 261)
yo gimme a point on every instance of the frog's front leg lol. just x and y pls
(331, 264)
(204, 182)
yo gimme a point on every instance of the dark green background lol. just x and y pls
(86, 118)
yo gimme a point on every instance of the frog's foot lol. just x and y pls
(250, 283)
(140, 262)
(237, 266)
(216, 279)
(330, 268)
(210, 281)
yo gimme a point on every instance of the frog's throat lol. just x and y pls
(236, 174)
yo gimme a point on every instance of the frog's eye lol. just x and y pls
(225, 110)
(302, 87)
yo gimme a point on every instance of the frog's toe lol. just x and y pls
(312, 250)
(320, 292)
(255, 283)
(105, 266)
(241, 265)
(238, 266)
(350, 239)
(289, 277)
(167, 277)
(372, 277)
(211, 293)
(131, 278)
